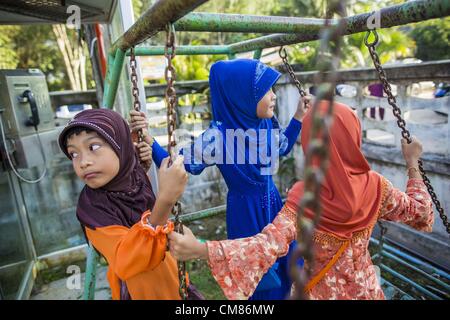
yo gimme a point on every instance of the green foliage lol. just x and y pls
(299, 8)
(195, 67)
(433, 39)
(305, 54)
(200, 275)
(34, 46)
(8, 56)
(394, 44)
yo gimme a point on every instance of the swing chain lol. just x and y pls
(171, 101)
(317, 155)
(400, 121)
(135, 88)
(136, 102)
(171, 95)
(283, 55)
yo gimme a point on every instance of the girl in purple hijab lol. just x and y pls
(117, 208)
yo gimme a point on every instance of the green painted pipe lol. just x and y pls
(421, 272)
(181, 50)
(109, 67)
(112, 81)
(421, 264)
(408, 281)
(153, 20)
(403, 293)
(91, 273)
(203, 214)
(220, 22)
(257, 54)
(408, 12)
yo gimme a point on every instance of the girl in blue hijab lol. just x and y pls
(244, 141)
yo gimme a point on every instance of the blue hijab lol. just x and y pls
(236, 88)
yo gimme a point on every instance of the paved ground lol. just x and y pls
(58, 290)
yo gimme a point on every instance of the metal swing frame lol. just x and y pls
(283, 31)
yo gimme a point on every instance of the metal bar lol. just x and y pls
(91, 274)
(257, 54)
(425, 266)
(398, 289)
(412, 283)
(203, 214)
(219, 22)
(154, 20)
(435, 70)
(408, 12)
(182, 87)
(27, 283)
(420, 271)
(112, 79)
(59, 98)
(109, 67)
(181, 50)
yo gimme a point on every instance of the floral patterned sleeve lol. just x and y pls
(238, 265)
(413, 207)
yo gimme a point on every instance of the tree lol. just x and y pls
(433, 39)
(300, 8)
(74, 58)
(8, 54)
(35, 46)
(393, 45)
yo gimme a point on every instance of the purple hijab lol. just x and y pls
(129, 194)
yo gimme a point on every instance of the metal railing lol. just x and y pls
(296, 30)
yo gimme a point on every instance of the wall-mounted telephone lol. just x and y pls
(27, 121)
(27, 96)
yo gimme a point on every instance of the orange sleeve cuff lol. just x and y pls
(154, 230)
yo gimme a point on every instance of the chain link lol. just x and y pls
(171, 101)
(283, 55)
(317, 152)
(136, 102)
(400, 121)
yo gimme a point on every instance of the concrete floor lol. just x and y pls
(58, 290)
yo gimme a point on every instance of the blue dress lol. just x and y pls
(253, 200)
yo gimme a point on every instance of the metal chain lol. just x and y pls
(317, 152)
(283, 55)
(400, 121)
(137, 103)
(171, 101)
(135, 88)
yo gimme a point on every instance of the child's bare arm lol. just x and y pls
(172, 181)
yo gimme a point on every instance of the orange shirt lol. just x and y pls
(138, 256)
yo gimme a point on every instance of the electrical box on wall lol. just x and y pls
(26, 111)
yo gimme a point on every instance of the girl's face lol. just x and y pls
(266, 106)
(93, 159)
